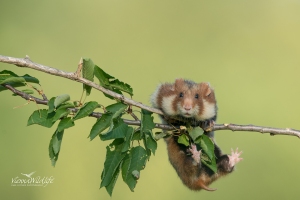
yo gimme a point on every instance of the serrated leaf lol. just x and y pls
(7, 74)
(159, 135)
(101, 124)
(10, 77)
(41, 117)
(117, 109)
(65, 105)
(195, 132)
(65, 123)
(212, 165)
(114, 111)
(114, 90)
(114, 85)
(52, 155)
(102, 76)
(127, 139)
(150, 142)
(57, 141)
(119, 131)
(88, 73)
(13, 80)
(183, 139)
(137, 135)
(121, 86)
(51, 105)
(111, 164)
(86, 110)
(208, 146)
(110, 187)
(30, 79)
(88, 69)
(60, 113)
(147, 123)
(54, 146)
(134, 161)
(61, 99)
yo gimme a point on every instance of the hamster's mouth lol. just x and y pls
(187, 115)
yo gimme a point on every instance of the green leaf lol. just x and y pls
(51, 105)
(13, 80)
(208, 146)
(54, 146)
(117, 109)
(147, 123)
(88, 73)
(41, 117)
(114, 90)
(102, 76)
(65, 105)
(128, 139)
(61, 99)
(208, 155)
(111, 185)
(137, 135)
(101, 124)
(133, 162)
(60, 113)
(30, 79)
(7, 74)
(113, 111)
(114, 85)
(111, 164)
(195, 132)
(119, 85)
(183, 139)
(212, 165)
(65, 123)
(150, 142)
(57, 141)
(119, 131)
(10, 77)
(159, 135)
(86, 110)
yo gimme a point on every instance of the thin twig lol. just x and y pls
(254, 128)
(26, 96)
(26, 62)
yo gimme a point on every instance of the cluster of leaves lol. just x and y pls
(130, 148)
(196, 136)
(10, 78)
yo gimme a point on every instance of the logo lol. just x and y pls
(30, 180)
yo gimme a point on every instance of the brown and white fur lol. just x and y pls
(188, 103)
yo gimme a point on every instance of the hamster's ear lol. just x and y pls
(179, 82)
(206, 89)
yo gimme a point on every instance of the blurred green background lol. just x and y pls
(247, 50)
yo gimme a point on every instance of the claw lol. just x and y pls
(207, 125)
(234, 158)
(196, 154)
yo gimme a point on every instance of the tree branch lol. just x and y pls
(26, 62)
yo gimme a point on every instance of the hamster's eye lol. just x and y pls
(181, 94)
(196, 96)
